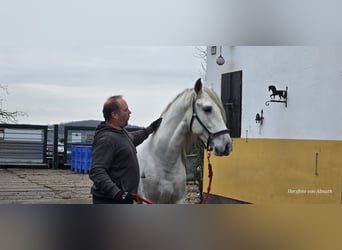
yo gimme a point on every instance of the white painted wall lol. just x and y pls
(314, 79)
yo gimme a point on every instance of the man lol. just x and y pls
(114, 168)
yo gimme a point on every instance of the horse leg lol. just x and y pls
(181, 201)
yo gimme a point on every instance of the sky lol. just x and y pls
(54, 85)
(60, 60)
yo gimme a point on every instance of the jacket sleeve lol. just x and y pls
(138, 136)
(102, 158)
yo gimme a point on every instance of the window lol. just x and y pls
(213, 50)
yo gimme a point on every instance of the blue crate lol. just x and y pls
(80, 158)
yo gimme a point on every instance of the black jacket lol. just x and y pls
(114, 165)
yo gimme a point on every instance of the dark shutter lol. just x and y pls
(231, 92)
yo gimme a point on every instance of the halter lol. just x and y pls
(211, 135)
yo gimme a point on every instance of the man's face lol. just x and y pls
(123, 114)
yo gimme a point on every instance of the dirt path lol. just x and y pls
(51, 186)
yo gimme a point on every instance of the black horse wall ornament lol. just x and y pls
(275, 92)
(282, 94)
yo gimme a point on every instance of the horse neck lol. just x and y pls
(172, 136)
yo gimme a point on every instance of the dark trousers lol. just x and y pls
(101, 200)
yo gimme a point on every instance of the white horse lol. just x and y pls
(196, 111)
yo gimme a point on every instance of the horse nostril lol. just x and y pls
(227, 147)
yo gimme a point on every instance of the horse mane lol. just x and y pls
(186, 91)
(190, 91)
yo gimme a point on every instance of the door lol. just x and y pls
(231, 96)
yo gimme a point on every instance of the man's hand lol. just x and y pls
(154, 126)
(124, 198)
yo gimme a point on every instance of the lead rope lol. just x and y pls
(138, 197)
(210, 176)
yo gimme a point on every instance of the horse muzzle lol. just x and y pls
(222, 152)
(221, 146)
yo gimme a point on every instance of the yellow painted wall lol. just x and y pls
(279, 171)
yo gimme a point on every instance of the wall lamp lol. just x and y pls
(259, 118)
(220, 60)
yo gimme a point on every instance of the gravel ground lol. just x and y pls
(56, 186)
(192, 193)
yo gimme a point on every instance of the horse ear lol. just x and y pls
(198, 86)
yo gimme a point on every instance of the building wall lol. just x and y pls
(280, 155)
(314, 79)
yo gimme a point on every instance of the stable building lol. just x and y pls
(284, 112)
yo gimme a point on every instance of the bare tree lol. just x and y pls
(201, 52)
(5, 115)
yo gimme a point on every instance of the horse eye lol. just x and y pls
(207, 109)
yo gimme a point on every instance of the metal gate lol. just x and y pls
(22, 144)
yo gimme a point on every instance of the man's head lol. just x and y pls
(116, 112)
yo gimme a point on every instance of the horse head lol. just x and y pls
(208, 120)
(272, 88)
